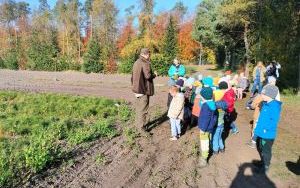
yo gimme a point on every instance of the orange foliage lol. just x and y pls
(160, 26)
(187, 45)
(111, 66)
(127, 34)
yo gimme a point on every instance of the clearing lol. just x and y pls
(127, 161)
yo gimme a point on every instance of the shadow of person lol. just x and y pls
(248, 177)
(155, 122)
(294, 167)
(227, 125)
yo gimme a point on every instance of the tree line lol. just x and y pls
(242, 32)
(88, 37)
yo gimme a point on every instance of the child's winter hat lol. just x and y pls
(208, 82)
(216, 81)
(270, 91)
(223, 85)
(189, 82)
(180, 83)
(206, 93)
(197, 83)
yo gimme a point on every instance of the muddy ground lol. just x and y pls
(155, 161)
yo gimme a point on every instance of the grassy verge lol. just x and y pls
(37, 130)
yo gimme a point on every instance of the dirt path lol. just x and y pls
(154, 162)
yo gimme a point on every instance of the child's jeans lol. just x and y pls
(217, 138)
(233, 127)
(205, 138)
(175, 127)
(255, 85)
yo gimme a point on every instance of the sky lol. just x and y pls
(160, 5)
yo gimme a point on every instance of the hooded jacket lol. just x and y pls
(208, 116)
(267, 123)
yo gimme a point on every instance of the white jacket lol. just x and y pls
(176, 109)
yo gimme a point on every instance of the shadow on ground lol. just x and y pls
(294, 167)
(247, 176)
(157, 121)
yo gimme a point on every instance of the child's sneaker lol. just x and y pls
(202, 163)
(222, 150)
(173, 138)
(252, 144)
(236, 131)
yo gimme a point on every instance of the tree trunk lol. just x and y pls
(200, 57)
(91, 20)
(246, 30)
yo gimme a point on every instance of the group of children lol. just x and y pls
(209, 103)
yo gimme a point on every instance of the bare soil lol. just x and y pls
(156, 161)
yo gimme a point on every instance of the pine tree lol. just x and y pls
(170, 46)
(91, 59)
(41, 53)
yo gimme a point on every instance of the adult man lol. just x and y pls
(143, 88)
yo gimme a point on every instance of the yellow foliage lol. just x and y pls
(210, 55)
(136, 45)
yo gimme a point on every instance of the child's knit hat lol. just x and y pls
(207, 93)
(270, 91)
(208, 82)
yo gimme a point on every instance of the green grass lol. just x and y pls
(37, 130)
(289, 100)
(100, 159)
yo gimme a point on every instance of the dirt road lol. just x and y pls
(154, 162)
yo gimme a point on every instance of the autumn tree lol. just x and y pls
(69, 36)
(127, 31)
(188, 47)
(179, 11)
(14, 18)
(146, 17)
(104, 27)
